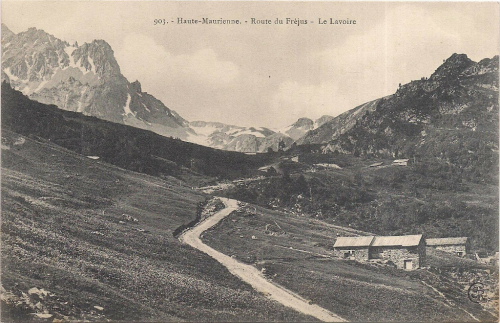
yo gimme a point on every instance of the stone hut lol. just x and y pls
(459, 246)
(400, 162)
(356, 248)
(406, 252)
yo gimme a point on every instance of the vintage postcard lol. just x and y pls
(253, 161)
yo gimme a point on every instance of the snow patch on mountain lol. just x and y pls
(26, 90)
(145, 107)
(126, 108)
(303, 125)
(11, 76)
(92, 66)
(41, 85)
(205, 131)
(198, 139)
(80, 102)
(250, 132)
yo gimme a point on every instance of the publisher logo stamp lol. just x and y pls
(476, 293)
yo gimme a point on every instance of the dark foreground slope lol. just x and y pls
(128, 147)
(82, 239)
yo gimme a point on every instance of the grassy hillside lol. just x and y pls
(127, 147)
(294, 252)
(85, 240)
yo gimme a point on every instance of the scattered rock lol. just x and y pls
(38, 306)
(43, 315)
(40, 292)
(19, 141)
(129, 218)
(99, 308)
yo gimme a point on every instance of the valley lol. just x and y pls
(84, 232)
(98, 239)
(115, 208)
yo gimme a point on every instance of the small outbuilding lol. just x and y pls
(406, 252)
(356, 248)
(459, 246)
(400, 162)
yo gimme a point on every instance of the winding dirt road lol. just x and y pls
(250, 274)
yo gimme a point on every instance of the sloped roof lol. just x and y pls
(446, 241)
(353, 241)
(400, 160)
(403, 241)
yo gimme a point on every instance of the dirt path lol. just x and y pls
(250, 274)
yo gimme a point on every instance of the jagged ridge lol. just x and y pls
(453, 114)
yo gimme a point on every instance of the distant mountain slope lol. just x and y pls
(229, 137)
(250, 139)
(303, 125)
(85, 79)
(252, 143)
(336, 125)
(452, 115)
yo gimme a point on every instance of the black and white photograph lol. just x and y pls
(249, 161)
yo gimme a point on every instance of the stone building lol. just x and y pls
(356, 248)
(406, 252)
(459, 246)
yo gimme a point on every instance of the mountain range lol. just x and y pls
(456, 106)
(87, 79)
(251, 139)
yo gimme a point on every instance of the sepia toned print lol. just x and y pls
(216, 161)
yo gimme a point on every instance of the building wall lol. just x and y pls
(452, 249)
(398, 255)
(359, 253)
(422, 252)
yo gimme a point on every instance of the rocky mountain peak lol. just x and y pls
(6, 32)
(136, 86)
(489, 64)
(83, 78)
(304, 123)
(97, 56)
(322, 120)
(33, 34)
(453, 66)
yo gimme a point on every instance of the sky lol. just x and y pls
(269, 75)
